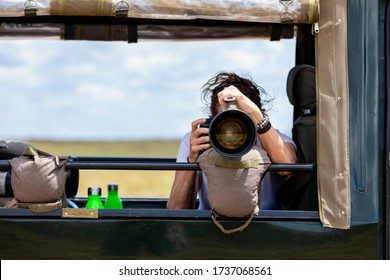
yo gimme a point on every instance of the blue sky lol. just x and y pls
(83, 90)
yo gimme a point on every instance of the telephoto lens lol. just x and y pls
(232, 133)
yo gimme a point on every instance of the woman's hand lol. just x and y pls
(199, 140)
(242, 102)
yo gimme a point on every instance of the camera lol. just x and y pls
(232, 132)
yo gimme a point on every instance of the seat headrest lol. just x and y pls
(301, 86)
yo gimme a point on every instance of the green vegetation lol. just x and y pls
(132, 183)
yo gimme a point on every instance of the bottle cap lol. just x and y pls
(94, 191)
(112, 186)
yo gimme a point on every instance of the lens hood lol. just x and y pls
(232, 133)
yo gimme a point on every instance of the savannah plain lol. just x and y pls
(132, 183)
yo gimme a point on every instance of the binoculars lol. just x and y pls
(232, 132)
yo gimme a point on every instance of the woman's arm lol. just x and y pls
(184, 191)
(185, 186)
(277, 149)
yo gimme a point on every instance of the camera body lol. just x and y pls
(207, 123)
(232, 132)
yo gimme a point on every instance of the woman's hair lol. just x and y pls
(223, 79)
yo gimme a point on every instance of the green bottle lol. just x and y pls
(94, 198)
(113, 201)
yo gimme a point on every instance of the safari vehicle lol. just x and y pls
(348, 43)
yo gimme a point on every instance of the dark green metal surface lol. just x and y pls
(146, 230)
(186, 234)
(369, 159)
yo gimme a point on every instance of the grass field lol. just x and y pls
(132, 183)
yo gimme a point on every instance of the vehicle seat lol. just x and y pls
(300, 190)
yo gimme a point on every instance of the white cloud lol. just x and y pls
(106, 90)
(99, 93)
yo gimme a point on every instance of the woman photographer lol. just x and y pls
(188, 185)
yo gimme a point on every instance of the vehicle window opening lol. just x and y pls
(304, 55)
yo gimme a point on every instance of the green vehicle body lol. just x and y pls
(145, 229)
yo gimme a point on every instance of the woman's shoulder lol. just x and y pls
(186, 137)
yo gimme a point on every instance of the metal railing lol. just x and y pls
(138, 163)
